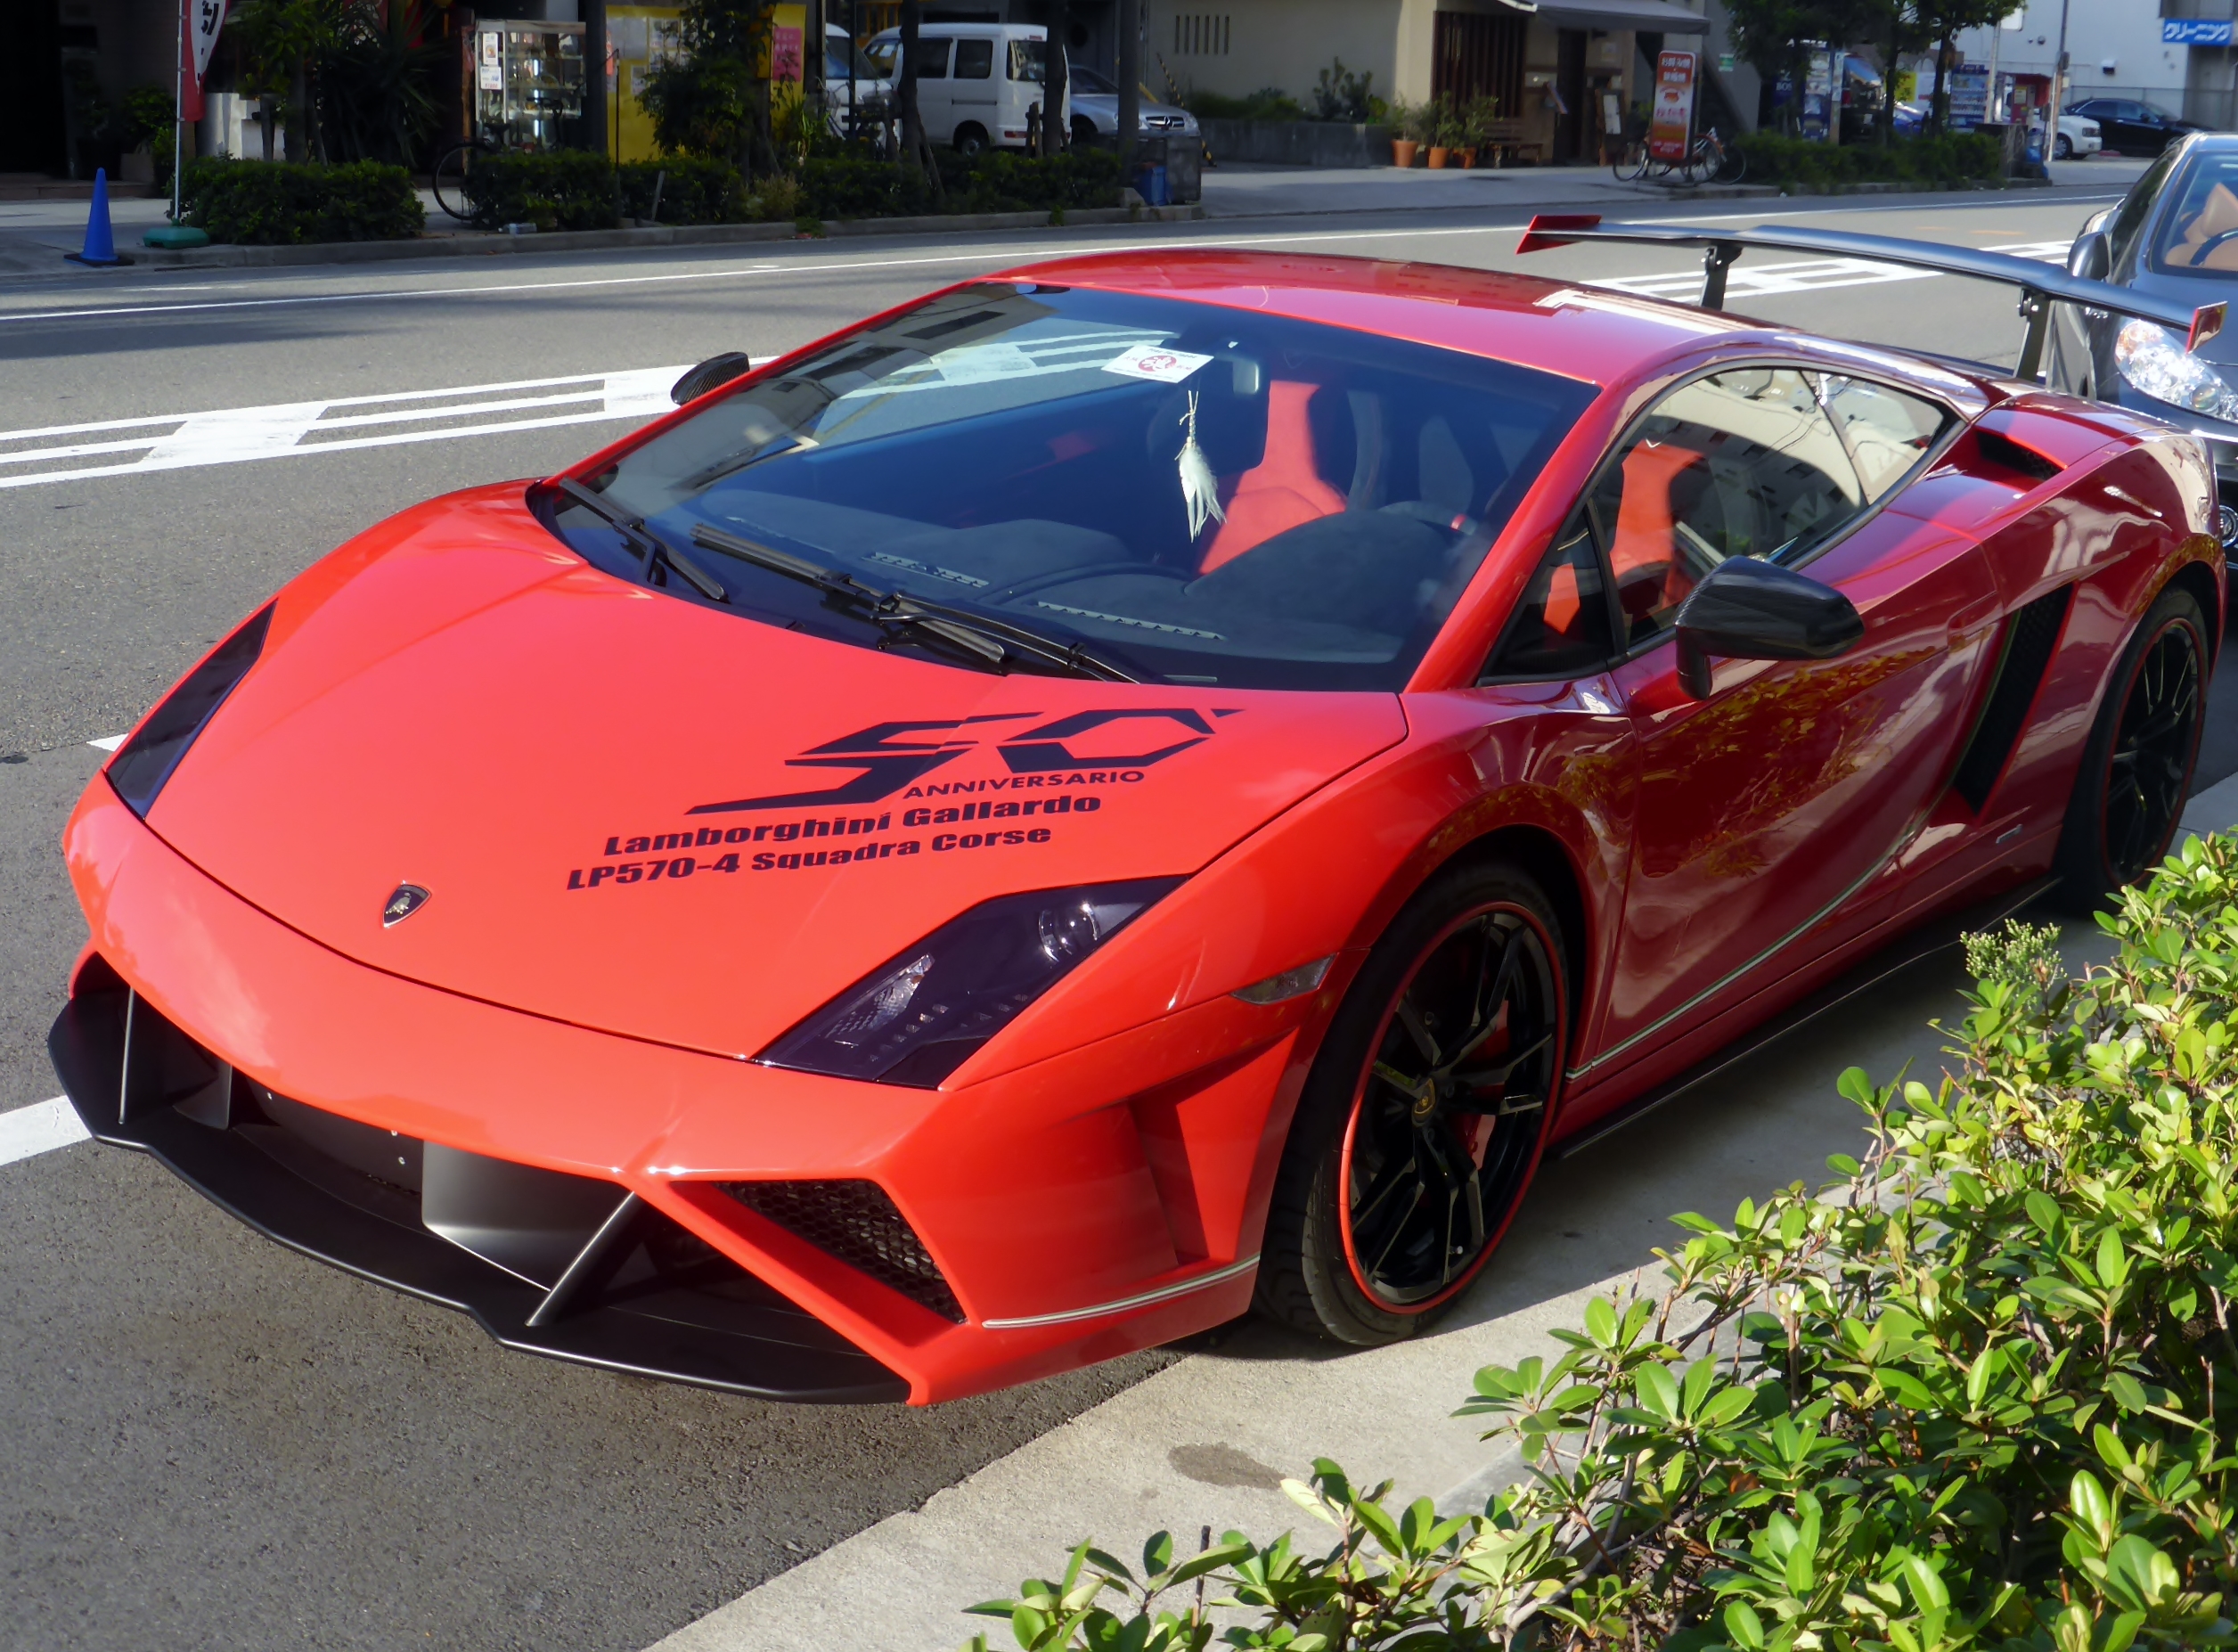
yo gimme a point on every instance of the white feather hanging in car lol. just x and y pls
(1200, 488)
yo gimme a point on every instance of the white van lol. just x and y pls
(975, 82)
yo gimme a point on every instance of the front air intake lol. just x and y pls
(856, 1223)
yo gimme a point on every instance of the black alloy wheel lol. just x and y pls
(1425, 1113)
(1447, 1126)
(2136, 771)
(2152, 752)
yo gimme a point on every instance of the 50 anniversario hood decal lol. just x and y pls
(885, 761)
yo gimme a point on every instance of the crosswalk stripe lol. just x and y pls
(26, 1132)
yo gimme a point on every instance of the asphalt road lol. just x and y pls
(205, 1441)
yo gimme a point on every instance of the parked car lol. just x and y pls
(850, 73)
(1095, 105)
(2078, 135)
(2130, 127)
(976, 84)
(2174, 233)
(1131, 787)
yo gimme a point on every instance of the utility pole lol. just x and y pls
(1129, 17)
(594, 74)
(2059, 88)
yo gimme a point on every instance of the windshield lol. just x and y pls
(1029, 60)
(2198, 232)
(841, 54)
(1198, 494)
(884, 56)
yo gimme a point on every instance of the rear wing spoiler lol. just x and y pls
(2041, 284)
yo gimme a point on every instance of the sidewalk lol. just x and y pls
(35, 235)
(1206, 1442)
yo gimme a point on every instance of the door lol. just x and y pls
(935, 106)
(1569, 122)
(973, 85)
(1774, 805)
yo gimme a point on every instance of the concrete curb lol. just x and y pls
(468, 246)
(1206, 1441)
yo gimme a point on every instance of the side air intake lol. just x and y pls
(856, 1223)
(2030, 637)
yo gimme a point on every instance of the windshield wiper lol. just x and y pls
(991, 641)
(650, 548)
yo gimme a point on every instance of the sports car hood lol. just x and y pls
(635, 813)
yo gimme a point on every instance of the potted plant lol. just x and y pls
(1445, 132)
(1406, 121)
(1478, 122)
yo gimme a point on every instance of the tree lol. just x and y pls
(712, 98)
(917, 149)
(1776, 37)
(1055, 73)
(282, 42)
(1940, 21)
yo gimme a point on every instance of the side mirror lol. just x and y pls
(2091, 258)
(1745, 609)
(713, 373)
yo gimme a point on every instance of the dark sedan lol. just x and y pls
(2131, 128)
(2175, 234)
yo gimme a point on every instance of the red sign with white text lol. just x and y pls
(1670, 125)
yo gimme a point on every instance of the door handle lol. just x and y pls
(1968, 618)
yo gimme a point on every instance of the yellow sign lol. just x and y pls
(639, 37)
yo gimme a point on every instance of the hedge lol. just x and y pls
(1952, 159)
(1978, 1392)
(575, 190)
(260, 204)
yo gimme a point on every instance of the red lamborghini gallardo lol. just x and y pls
(1118, 792)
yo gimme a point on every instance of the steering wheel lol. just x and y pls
(2208, 246)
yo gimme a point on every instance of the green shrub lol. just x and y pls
(1951, 158)
(1267, 103)
(562, 189)
(1979, 1392)
(997, 181)
(261, 204)
(693, 191)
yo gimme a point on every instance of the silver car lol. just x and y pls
(1095, 102)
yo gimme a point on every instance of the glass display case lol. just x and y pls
(527, 80)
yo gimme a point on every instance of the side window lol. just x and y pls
(2135, 207)
(974, 60)
(1740, 463)
(1888, 432)
(932, 60)
(1561, 625)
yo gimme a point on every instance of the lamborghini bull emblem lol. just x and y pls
(407, 899)
(885, 760)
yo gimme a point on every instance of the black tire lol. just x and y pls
(1631, 165)
(449, 179)
(969, 142)
(1083, 131)
(2062, 148)
(2136, 768)
(1475, 934)
(1733, 166)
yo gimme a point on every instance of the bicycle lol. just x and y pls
(1712, 160)
(451, 177)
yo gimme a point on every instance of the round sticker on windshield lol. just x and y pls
(1155, 361)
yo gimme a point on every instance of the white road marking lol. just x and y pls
(1746, 280)
(289, 429)
(107, 742)
(27, 1132)
(993, 255)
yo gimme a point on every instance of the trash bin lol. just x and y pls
(1151, 174)
(1184, 170)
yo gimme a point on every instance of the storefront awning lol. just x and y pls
(1658, 16)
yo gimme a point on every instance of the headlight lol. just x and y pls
(144, 764)
(918, 1017)
(2155, 363)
